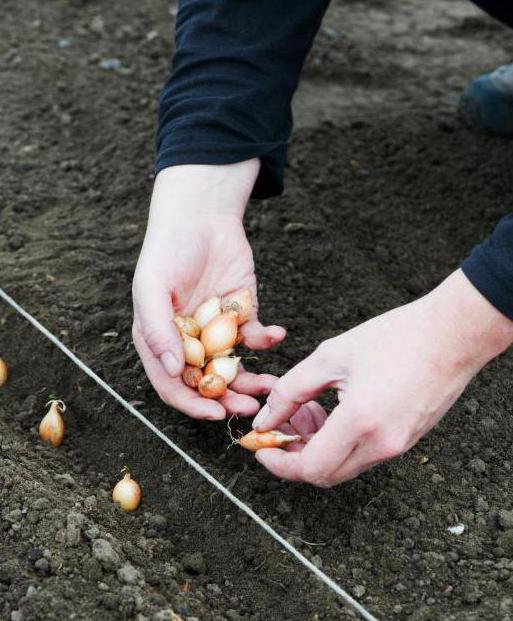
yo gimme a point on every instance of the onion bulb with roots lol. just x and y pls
(127, 493)
(192, 376)
(187, 325)
(3, 372)
(51, 428)
(240, 302)
(194, 352)
(225, 366)
(220, 334)
(212, 386)
(207, 311)
(256, 440)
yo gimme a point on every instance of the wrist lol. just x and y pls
(475, 330)
(201, 190)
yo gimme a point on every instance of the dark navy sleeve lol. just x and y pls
(235, 69)
(503, 11)
(490, 267)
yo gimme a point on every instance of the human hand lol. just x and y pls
(195, 247)
(396, 376)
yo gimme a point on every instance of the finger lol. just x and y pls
(258, 337)
(154, 314)
(172, 390)
(289, 430)
(240, 405)
(253, 384)
(303, 383)
(321, 457)
(308, 420)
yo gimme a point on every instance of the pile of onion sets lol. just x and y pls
(209, 338)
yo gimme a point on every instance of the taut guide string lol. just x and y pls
(331, 584)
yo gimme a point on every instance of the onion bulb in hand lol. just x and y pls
(240, 302)
(212, 386)
(220, 333)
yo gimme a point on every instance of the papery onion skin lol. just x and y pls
(52, 428)
(207, 311)
(241, 302)
(220, 333)
(256, 440)
(127, 493)
(192, 376)
(223, 354)
(212, 386)
(4, 372)
(194, 351)
(187, 325)
(225, 366)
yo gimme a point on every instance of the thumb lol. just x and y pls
(153, 318)
(301, 384)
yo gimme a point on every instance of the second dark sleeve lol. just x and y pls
(490, 267)
(235, 69)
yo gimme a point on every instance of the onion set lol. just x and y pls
(127, 493)
(212, 386)
(3, 372)
(256, 440)
(52, 428)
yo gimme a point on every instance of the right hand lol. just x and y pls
(195, 247)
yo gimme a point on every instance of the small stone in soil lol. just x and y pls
(128, 574)
(505, 519)
(105, 554)
(194, 563)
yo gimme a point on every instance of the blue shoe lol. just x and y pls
(487, 101)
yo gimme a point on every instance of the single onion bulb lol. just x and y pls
(220, 333)
(127, 493)
(52, 428)
(241, 302)
(212, 386)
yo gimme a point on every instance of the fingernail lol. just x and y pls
(260, 418)
(170, 363)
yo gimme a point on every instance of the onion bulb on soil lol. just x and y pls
(51, 428)
(207, 311)
(3, 372)
(256, 440)
(220, 333)
(127, 493)
(212, 386)
(194, 351)
(240, 302)
(187, 325)
(192, 376)
(225, 366)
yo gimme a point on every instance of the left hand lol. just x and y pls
(396, 376)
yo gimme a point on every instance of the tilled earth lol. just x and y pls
(387, 191)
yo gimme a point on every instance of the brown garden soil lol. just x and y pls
(387, 191)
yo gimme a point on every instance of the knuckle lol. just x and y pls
(324, 351)
(391, 446)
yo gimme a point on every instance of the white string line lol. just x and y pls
(344, 595)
